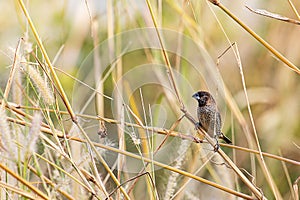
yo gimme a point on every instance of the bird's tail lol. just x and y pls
(226, 139)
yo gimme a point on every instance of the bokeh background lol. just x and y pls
(65, 28)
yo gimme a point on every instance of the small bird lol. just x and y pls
(208, 115)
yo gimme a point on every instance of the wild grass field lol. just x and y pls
(96, 99)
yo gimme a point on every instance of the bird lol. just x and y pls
(209, 116)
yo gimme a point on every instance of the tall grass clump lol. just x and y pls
(96, 99)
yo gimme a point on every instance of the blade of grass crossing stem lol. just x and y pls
(257, 37)
(47, 59)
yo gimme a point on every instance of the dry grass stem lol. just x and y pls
(96, 100)
(259, 39)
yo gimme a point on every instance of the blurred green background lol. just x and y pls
(273, 89)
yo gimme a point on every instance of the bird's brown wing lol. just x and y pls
(202, 117)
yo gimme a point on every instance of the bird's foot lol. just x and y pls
(217, 145)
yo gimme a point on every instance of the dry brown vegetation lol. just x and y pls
(96, 99)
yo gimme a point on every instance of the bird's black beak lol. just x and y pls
(196, 96)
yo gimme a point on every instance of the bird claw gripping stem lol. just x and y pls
(216, 146)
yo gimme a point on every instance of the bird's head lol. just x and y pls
(204, 98)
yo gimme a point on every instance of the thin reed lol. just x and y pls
(96, 99)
